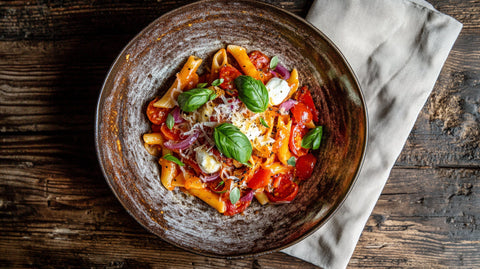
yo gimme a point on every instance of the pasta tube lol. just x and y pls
(240, 54)
(153, 139)
(186, 75)
(210, 198)
(169, 171)
(219, 59)
(282, 139)
(293, 83)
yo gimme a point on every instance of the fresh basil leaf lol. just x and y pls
(291, 161)
(232, 142)
(170, 157)
(193, 99)
(234, 195)
(202, 85)
(313, 138)
(170, 121)
(252, 93)
(217, 82)
(262, 121)
(273, 62)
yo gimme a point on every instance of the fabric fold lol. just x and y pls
(397, 49)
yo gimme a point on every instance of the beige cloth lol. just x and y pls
(397, 49)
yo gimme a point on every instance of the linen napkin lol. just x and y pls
(397, 49)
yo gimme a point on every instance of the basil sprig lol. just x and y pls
(193, 99)
(234, 195)
(170, 121)
(252, 93)
(273, 62)
(312, 139)
(170, 157)
(291, 161)
(232, 142)
(217, 82)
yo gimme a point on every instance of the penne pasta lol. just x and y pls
(292, 83)
(169, 171)
(186, 75)
(240, 54)
(210, 198)
(193, 182)
(152, 149)
(219, 59)
(153, 139)
(284, 126)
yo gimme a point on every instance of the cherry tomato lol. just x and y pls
(228, 73)
(259, 60)
(285, 190)
(296, 136)
(173, 134)
(156, 115)
(304, 166)
(238, 207)
(260, 179)
(305, 97)
(301, 113)
(262, 64)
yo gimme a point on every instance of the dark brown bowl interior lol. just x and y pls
(146, 68)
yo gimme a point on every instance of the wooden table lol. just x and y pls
(56, 209)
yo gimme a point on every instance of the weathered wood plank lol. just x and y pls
(46, 214)
(420, 222)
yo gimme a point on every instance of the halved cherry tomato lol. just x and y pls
(260, 179)
(238, 207)
(156, 115)
(296, 136)
(304, 96)
(301, 113)
(304, 166)
(173, 134)
(262, 64)
(228, 73)
(259, 60)
(286, 189)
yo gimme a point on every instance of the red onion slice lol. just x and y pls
(287, 105)
(210, 177)
(282, 71)
(248, 196)
(176, 115)
(172, 145)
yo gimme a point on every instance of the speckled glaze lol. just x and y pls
(146, 68)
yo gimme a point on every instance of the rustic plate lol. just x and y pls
(145, 69)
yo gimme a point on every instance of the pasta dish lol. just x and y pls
(244, 129)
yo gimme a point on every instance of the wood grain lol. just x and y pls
(56, 209)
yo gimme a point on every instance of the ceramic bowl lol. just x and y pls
(146, 68)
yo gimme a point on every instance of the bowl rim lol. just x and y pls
(313, 229)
